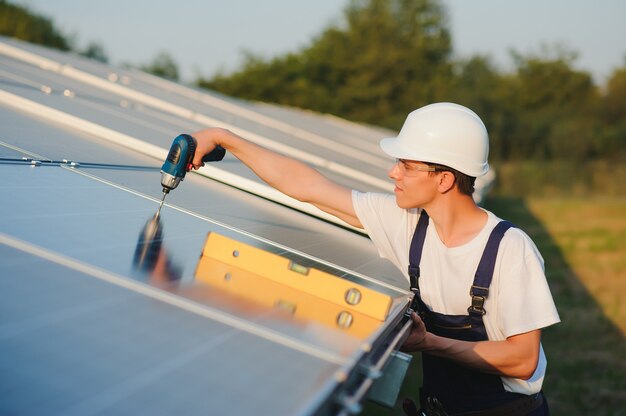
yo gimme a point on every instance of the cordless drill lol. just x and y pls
(178, 163)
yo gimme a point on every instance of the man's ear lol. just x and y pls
(446, 181)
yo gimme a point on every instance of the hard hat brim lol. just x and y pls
(391, 147)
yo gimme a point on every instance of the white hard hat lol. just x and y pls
(444, 133)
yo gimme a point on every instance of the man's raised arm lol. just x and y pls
(292, 177)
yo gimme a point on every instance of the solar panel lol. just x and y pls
(96, 317)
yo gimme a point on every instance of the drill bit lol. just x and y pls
(156, 216)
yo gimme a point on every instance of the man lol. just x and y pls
(480, 289)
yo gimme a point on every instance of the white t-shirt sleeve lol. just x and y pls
(524, 298)
(524, 301)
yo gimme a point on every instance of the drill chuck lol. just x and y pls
(169, 181)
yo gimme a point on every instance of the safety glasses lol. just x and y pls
(409, 168)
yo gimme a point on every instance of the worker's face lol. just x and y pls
(415, 185)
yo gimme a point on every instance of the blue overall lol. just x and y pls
(447, 385)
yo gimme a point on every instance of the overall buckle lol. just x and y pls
(414, 274)
(479, 294)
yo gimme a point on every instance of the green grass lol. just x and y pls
(583, 242)
(563, 178)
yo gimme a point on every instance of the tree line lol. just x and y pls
(388, 57)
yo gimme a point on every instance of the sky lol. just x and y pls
(207, 36)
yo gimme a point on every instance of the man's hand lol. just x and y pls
(415, 340)
(206, 141)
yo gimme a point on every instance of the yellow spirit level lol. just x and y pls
(277, 281)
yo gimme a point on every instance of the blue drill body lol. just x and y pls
(178, 162)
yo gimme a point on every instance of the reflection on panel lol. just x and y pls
(74, 344)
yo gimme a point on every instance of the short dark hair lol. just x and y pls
(463, 182)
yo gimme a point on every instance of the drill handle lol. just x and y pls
(215, 155)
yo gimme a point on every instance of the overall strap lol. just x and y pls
(484, 273)
(415, 251)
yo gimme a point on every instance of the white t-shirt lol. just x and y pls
(519, 297)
